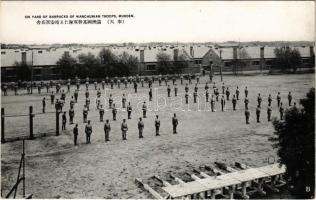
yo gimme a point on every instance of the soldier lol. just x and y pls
(175, 90)
(64, 121)
(5, 90)
(259, 100)
(216, 94)
(227, 94)
(52, 97)
(269, 111)
(294, 106)
(125, 83)
(168, 90)
(206, 95)
(76, 95)
(174, 123)
(97, 102)
(44, 104)
(166, 80)
(57, 87)
(144, 109)
(103, 85)
(28, 88)
(247, 115)
(278, 99)
(196, 88)
(71, 115)
(186, 89)
(142, 82)
(85, 113)
(124, 129)
(159, 80)
(68, 85)
(88, 103)
(129, 110)
(140, 127)
(189, 76)
(107, 80)
(150, 94)
(110, 101)
(119, 83)
(223, 88)
(234, 100)
(150, 83)
(269, 100)
(75, 132)
(87, 93)
(246, 101)
(112, 83)
(39, 89)
(173, 80)
(88, 131)
(114, 111)
(107, 129)
(72, 102)
(157, 125)
(95, 85)
(213, 103)
(124, 101)
(246, 92)
(258, 111)
(135, 86)
(289, 97)
(181, 79)
(194, 96)
(186, 98)
(281, 110)
(197, 79)
(223, 102)
(57, 106)
(78, 84)
(101, 112)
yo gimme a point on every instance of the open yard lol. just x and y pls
(55, 168)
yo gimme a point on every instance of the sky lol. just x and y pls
(153, 21)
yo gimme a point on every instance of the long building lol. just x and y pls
(44, 59)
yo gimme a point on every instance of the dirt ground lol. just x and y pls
(55, 168)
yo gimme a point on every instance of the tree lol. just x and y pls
(164, 63)
(67, 65)
(295, 140)
(180, 64)
(287, 58)
(108, 61)
(89, 65)
(23, 71)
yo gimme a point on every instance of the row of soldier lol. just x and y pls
(107, 81)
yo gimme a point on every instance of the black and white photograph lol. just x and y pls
(157, 99)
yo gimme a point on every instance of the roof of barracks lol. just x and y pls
(50, 56)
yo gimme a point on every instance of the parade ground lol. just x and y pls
(55, 168)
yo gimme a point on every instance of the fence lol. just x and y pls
(30, 116)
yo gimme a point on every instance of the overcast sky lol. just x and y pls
(161, 21)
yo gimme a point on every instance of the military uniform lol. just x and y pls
(186, 98)
(64, 121)
(110, 101)
(75, 132)
(103, 85)
(88, 103)
(107, 129)
(213, 104)
(88, 131)
(207, 95)
(234, 101)
(124, 129)
(269, 100)
(281, 110)
(140, 128)
(150, 94)
(71, 115)
(101, 112)
(227, 94)
(289, 97)
(114, 111)
(123, 101)
(258, 111)
(247, 115)
(246, 92)
(135, 86)
(259, 100)
(112, 83)
(174, 124)
(223, 102)
(194, 96)
(278, 99)
(157, 126)
(144, 110)
(52, 97)
(269, 111)
(181, 79)
(44, 104)
(168, 90)
(85, 114)
(129, 111)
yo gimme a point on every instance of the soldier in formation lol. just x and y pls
(157, 125)
(140, 127)
(88, 131)
(129, 110)
(101, 113)
(174, 123)
(75, 132)
(124, 129)
(144, 109)
(247, 115)
(107, 129)
(258, 111)
(114, 111)
(64, 121)
(71, 114)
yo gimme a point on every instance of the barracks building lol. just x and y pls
(208, 57)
